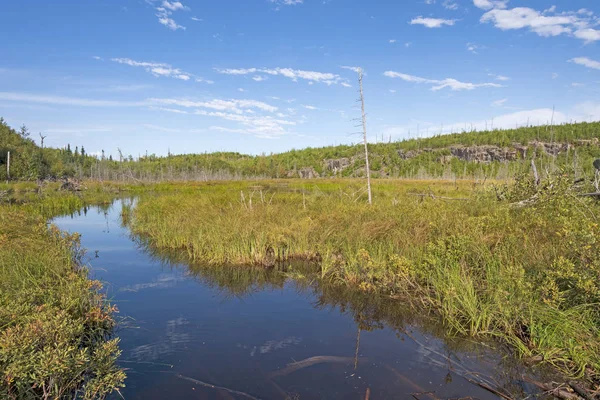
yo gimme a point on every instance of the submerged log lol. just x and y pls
(295, 366)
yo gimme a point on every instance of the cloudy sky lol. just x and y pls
(260, 76)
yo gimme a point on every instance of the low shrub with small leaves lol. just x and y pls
(55, 324)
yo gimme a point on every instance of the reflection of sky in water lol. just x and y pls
(172, 319)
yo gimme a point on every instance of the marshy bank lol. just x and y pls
(476, 258)
(56, 327)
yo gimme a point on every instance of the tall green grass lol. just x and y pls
(529, 276)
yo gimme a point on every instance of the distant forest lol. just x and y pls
(491, 154)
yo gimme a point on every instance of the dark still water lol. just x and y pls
(209, 333)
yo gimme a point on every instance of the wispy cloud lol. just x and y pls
(499, 103)
(161, 70)
(490, 4)
(232, 105)
(437, 84)
(166, 10)
(279, 3)
(248, 114)
(586, 62)
(546, 23)
(432, 22)
(353, 69)
(473, 48)
(450, 5)
(293, 74)
(499, 77)
(67, 101)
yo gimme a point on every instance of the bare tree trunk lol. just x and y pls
(8, 167)
(364, 124)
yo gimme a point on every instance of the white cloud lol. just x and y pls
(472, 47)
(293, 74)
(233, 105)
(98, 58)
(196, 19)
(259, 78)
(453, 84)
(161, 69)
(173, 6)
(392, 41)
(312, 108)
(246, 113)
(489, 4)
(554, 75)
(586, 62)
(499, 77)
(499, 103)
(166, 10)
(432, 22)
(547, 23)
(353, 69)
(279, 3)
(450, 5)
(588, 35)
(67, 101)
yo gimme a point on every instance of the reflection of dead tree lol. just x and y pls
(357, 348)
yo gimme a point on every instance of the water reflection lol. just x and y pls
(230, 332)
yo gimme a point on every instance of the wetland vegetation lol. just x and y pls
(468, 254)
(512, 260)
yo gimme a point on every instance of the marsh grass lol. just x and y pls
(55, 323)
(529, 276)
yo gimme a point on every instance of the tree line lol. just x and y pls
(576, 147)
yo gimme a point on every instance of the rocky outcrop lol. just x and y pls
(337, 165)
(484, 154)
(553, 149)
(407, 155)
(304, 173)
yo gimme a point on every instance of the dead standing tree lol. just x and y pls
(364, 126)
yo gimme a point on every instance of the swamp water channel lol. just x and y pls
(189, 331)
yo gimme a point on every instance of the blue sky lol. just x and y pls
(258, 76)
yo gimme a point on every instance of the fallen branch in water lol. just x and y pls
(558, 392)
(208, 385)
(292, 367)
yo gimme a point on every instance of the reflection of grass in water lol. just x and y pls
(526, 275)
(371, 312)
